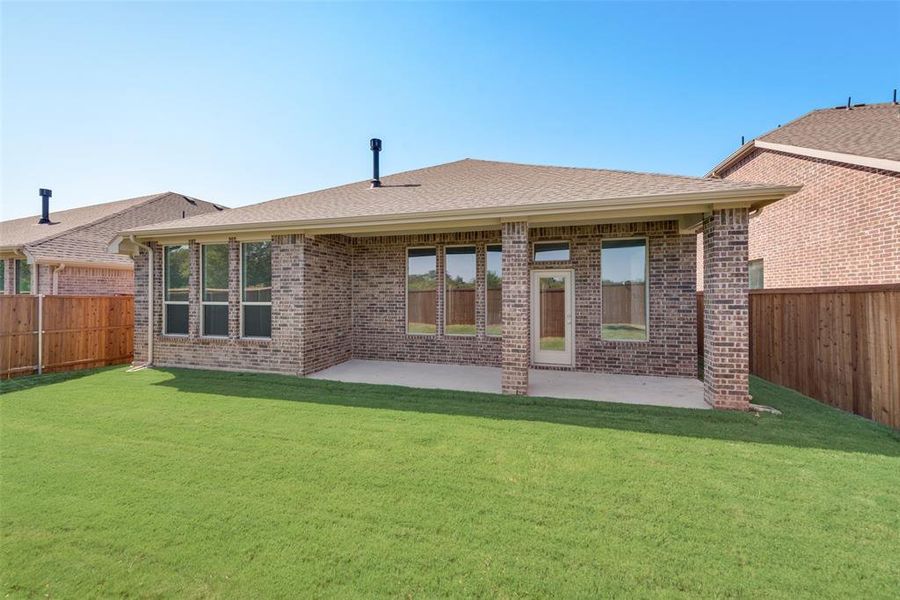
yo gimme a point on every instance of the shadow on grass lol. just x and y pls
(804, 424)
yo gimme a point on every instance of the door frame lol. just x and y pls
(553, 357)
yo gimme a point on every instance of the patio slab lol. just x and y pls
(680, 392)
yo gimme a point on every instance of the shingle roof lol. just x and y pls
(872, 130)
(457, 187)
(20, 232)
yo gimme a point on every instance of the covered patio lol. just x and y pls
(678, 392)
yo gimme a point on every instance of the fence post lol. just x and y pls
(40, 329)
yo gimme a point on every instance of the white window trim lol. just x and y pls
(534, 246)
(406, 290)
(486, 251)
(646, 288)
(474, 247)
(241, 290)
(205, 303)
(165, 288)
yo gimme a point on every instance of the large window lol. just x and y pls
(623, 269)
(214, 292)
(2, 275)
(459, 290)
(23, 277)
(256, 289)
(494, 289)
(421, 290)
(757, 281)
(176, 271)
(551, 251)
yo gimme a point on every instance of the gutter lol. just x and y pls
(149, 298)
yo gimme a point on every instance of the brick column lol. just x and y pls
(194, 289)
(516, 307)
(726, 353)
(9, 276)
(234, 288)
(141, 307)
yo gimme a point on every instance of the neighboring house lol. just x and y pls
(470, 262)
(843, 228)
(68, 254)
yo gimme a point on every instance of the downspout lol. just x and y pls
(149, 297)
(56, 272)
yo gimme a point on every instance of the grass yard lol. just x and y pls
(177, 483)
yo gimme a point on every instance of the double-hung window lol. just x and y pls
(2, 275)
(493, 276)
(421, 291)
(23, 277)
(176, 271)
(256, 289)
(459, 290)
(624, 300)
(214, 291)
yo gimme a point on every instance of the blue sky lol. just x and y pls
(239, 103)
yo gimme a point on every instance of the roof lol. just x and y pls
(866, 135)
(469, 189)
(81, 235)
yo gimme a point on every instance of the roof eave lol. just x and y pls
(666, 205)
(885, 164)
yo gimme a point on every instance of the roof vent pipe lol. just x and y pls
(375, 146)
(895, 96)
(45, 206)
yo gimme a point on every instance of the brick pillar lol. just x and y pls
(194, 289)
(234, 288)
(141, 307)
(516, 308)
(726, 353)
(9, 276)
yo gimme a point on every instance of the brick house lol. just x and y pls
(843, 227)
(66, 252)
(471, 262)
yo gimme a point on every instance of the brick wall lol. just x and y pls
(725, 304)
(84, 281)
(327, 307)
(516, 308)
(840, 229)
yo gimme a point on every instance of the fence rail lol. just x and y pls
(840, 345)
(63, 333)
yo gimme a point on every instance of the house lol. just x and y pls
(843, 227)
(65, 252)
(471, 262)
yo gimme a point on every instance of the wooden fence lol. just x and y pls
(840, 346)
(64, 333)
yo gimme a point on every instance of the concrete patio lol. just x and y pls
(679, 392)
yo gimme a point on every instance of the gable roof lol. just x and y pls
(471, 189)
(81, 235)
(866, 135)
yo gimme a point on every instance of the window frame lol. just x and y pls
(204, 303)
(241, 290)
(2, 276)
(437, 285)
(646, 241)
(474, 248)
(487, 248)
(534, 246)
(165, 283)
(16, 265)
(762, 273)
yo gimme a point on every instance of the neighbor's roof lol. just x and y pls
(78, 235)
(471, 189)
(867, 135)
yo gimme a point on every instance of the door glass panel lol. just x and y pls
(553, 313)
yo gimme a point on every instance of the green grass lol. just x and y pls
(496, 329)
(553, 343)
(623, 332)
(177, 483)
(421, 328)
(459, 329)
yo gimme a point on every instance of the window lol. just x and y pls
(623, 269)
(757, 280)
(494, 289)
(2, 275)
(256, 289)
(214, 292)
(23, 277)
(421, 290)
(176, 269)
(551, 251)
(459, 290)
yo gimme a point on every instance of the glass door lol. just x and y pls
(551, 317)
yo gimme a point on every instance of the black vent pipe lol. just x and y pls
(45, 206)
(375, 146)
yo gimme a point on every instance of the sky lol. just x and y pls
(239, 103)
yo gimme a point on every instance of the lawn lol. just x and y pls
(177, 483)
